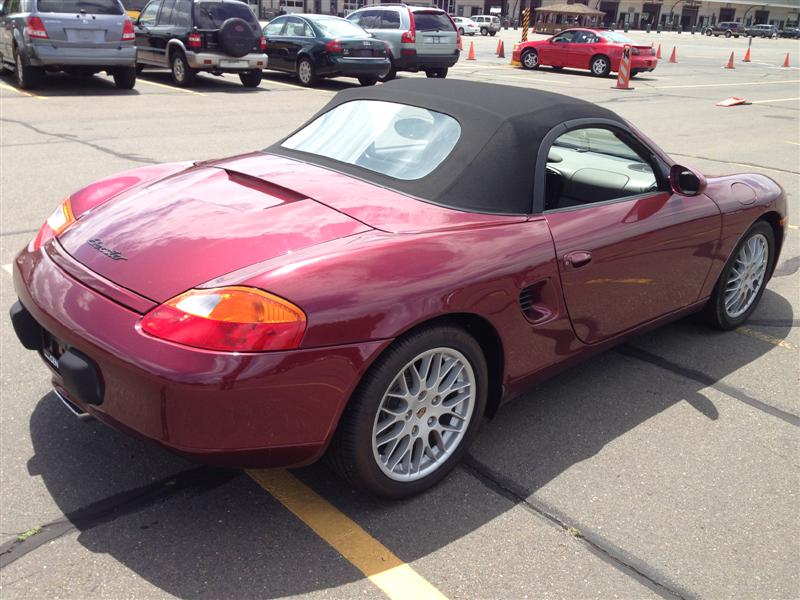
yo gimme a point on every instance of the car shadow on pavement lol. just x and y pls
(63, 85)
(229, 538)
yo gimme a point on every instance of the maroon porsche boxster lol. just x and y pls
(377, 282)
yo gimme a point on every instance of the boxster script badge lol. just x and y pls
(97, 244)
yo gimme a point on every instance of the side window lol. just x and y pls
(564, 38)
(594, 165)
(370, 19)
(182, 14)
(13, 7)
(298, 28)
(275, 27)
(390, 19)
(165, 18)
(149, 14)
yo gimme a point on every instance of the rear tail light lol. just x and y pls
(410, 36)
(334, 47)
(127, 31)
(263, 43)
(35, 28)
(55, 224)
(231, 319)
(195, 40)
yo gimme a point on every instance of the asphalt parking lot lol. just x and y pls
(665, 468)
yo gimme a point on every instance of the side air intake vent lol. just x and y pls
(537, 301)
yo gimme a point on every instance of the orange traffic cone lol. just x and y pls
(786, 61)
(502, 52)
(658, 53)
(499, 43)
(746, 56)
(730, 63)
(471, 55)
(460, 44)
(673, 58)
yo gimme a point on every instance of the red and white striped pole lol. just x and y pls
(624, 72)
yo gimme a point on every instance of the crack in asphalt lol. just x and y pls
(707, 381)
(611, 554)
(74, 138)
(200, 479)
(17, 232)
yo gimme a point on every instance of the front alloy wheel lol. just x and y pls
(530, 59)
(414, 414)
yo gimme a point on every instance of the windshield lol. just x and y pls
(613, 36)
(91, 7)
(211, 15)
(339, 28)
(401, 141)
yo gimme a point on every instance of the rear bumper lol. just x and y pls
(356, 67)
(247, 410)
(211, 61)
(420, 62)
(41, 55)
(641, 64)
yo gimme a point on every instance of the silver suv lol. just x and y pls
(489, 24)
(80, 37)
(419, 38)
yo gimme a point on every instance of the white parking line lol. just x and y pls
(711, 85)
(7, 268)
(173, 88)
(775, 100)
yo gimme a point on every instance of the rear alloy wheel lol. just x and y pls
(182, 74)
(439, 73)
(530, 59)
(460, 31)
(251, 79)
(729, 34)
(413, 415)
(125, 78)
(744, 278)
(484, 31)
(600, 66)
(27, 78)
(367, 81)
(305, 72)
(492, 33)
(390, 74)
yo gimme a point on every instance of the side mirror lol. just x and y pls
(686, 181)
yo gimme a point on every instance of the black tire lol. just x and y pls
(26, 77)
(460, 31)
(709, 32)
(124, 78)
(367, 81)
(251, 79)
(729, 34)
(390, 74)
(492, 33)
(139, 68)
(556, 68)
(235, 37)
(600, 65)
(306, 73)
(182, 74)
(715, 312)
(529, 59)
(351, 451)
(438, 73)
(484, 31)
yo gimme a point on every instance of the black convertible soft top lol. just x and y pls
(492, 167)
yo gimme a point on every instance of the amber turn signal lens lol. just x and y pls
(55, 224)
(232, 319)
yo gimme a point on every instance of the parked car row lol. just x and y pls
(733, 29)
(187, 37)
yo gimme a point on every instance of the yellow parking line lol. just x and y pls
(21, 92)
(775, 100)
(174, 88)
(381, 566)
(7, 268)
(708, 85)
(781, 343)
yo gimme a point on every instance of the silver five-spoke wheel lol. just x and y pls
(424, 414)
(746, 276)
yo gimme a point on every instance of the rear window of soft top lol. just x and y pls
(89, 7)
(211, 15)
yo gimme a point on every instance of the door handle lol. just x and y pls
(578, 259)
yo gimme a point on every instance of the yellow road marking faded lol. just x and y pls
(793, 227)
(173, 88)
(774, 100)
(781, 343)
(381, 566)
(711, 85)
(21, 92)
(7, 268)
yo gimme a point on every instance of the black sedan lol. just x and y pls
(315, 46)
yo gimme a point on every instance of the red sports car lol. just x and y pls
(380, 280)
(597, 50)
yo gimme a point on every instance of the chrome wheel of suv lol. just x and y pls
(26, 77)
(182, 74)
